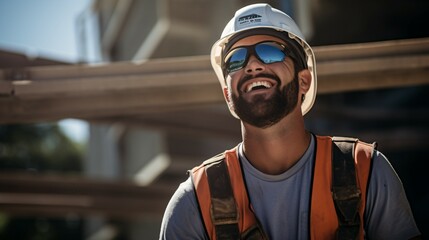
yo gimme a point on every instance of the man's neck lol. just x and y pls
(276, 149)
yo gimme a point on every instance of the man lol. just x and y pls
(280, 182)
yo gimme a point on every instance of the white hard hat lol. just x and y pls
(262, 16)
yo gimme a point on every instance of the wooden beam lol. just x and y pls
(59, 195)
(158, 86)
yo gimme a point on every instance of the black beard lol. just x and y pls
(263, 113)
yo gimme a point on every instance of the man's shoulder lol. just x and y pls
(213, 160)
(182, 218)
(336, 138)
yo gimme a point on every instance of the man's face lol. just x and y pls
(263, 94)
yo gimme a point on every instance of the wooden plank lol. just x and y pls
(6, 88)
(58, 195)
(372, 80)
(372, 49)
(158, 86)
(165, 65)
(105, 105)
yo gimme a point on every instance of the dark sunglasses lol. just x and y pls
(266, 52)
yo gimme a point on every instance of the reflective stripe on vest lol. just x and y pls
(323, 217)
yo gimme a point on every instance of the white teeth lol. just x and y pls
(257, 84)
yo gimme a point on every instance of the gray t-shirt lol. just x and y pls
(281, 203)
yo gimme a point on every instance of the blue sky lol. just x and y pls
(45, 28)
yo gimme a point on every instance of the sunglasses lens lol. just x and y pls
(267, 52)
(236, 59)
(270, 52)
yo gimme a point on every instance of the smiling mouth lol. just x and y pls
(258, 85)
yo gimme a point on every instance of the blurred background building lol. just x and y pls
(143, 83)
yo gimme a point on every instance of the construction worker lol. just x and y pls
(283, 182)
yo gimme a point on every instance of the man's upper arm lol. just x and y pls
(182, 217)
(388, 214)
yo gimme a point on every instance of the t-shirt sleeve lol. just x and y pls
(388, 214)
(182, 218)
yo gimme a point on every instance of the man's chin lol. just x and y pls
(259, 114)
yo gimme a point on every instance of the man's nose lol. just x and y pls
(254, 65)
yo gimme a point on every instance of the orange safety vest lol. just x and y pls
(237, 209)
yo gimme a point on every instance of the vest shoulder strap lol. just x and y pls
(227, 219)
(346, 192)
(223, 208)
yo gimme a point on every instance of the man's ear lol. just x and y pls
(227, 96)
(304, 78)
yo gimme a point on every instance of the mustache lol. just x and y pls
(246, 78)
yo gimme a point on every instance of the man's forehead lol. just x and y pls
(250, 40)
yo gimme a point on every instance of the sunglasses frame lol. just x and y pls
(251, 50)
